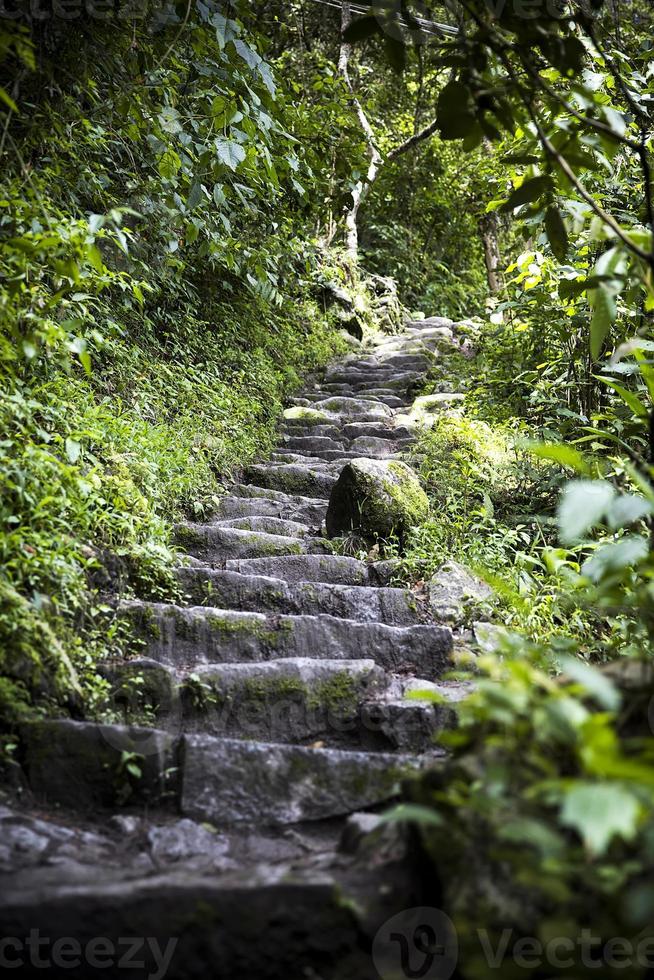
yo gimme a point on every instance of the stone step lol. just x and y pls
(385, 431)
(194, 635)
(294, 479)
(296, 427)
(388, 398)
(381, 378)
(347, 703)
(337, 569)
(284, 455)
(310, 445)
(223, 781)
(227, 781)
(342, 457)
(290, 913)
(306, 510)
(376, 448)
(269, 525)
(353, 406)
(261, 593)
(211, 542)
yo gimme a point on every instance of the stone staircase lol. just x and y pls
(278, 699)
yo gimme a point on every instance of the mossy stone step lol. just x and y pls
(291, 700)
(338, 569)
(306, 510)
(224, 781)
(269, 525)
(384, 431)
(260, 593)
(294, 479)
(310, 445)
(227, 781)
(346, 703)
(212, 542)
(352, 406)
(388, 398)
(189, 636)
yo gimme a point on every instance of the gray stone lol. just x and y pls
(289, 700)
(269, 525)
(82, 764)
(377, 498)
(183, 840)
(179, 636)
(293, 479)
(262, 593)
(231, 782)
(214, 542)
(455, 593)
(269, 503)
(338, 569)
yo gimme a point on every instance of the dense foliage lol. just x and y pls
(179, 193)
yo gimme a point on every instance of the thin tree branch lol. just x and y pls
(412, 140)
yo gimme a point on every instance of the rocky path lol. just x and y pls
(277, 695)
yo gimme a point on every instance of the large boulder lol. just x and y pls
(377, 498)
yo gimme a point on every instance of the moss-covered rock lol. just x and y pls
(377, 498)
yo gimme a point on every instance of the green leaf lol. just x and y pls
(615, 557)
(7, 99)
(564, 455)
(73, 450)
(195, 196)
(604, 312)
(556, 232)
(628, 397)
(169, 164)
(583, 504)
(594, 681)
(599, 812)
(626, 509)
(361, 28)
(230, 153)
(529, 191)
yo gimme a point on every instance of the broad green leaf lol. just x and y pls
(529, 191)
(230, 153)
(556, 232)
(615, 557)
(564, 455)
(169, 164)
(626, 509)
(7, 99)
(594, 681)
(249, 56)
(195, 196)
(599, 812)
(73, 450)
(583, 504)
(628, 397)
(604, 311)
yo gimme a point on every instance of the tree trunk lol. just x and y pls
(489, 231)
(361, 188)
